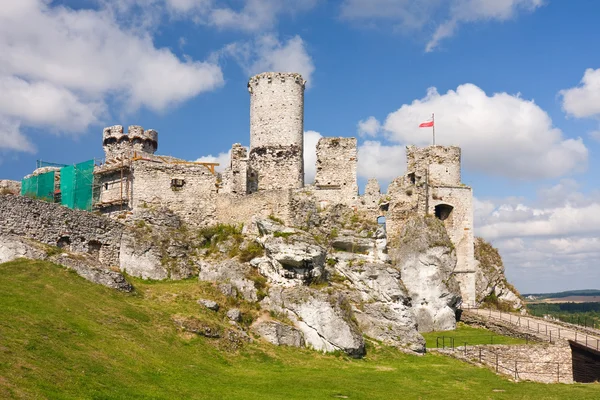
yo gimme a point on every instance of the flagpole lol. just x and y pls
(433, 120)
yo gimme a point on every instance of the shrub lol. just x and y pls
(252, 250)
(275, 219)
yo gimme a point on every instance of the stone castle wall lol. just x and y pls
(8, 186)
(336, 171)
(276, 131)
(442, 163)
(55, 225)
(188, 190)
(117, 144)
(232, 209)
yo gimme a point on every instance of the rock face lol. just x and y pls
(326, 321)
(13, 247)
(279, 334)
(490, 278)
(292, 257)
(426, 260)
(382, 305)
(232, 272)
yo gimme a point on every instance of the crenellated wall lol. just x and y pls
(118, 144)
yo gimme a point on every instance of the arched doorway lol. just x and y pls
(443, 211)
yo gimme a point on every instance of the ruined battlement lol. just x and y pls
(270, 77)
(439, 164)
(116, 143)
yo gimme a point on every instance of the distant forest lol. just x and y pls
(585, 314)
(558, 295)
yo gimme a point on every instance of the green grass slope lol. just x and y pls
(62, 337)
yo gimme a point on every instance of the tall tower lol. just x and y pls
(117, 144)
(276, 159)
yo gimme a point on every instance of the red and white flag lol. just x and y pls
(428, 124)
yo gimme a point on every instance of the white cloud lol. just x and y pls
(501, 134)
(268, 53)
(311, 138)
(224, 159)
(244, 15)
(369, 127)
(59, 66)
(380, 161)
(11, 137)
(584, 100)
(410, 15)
(545, 248)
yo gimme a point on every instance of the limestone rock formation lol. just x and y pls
(326, 321)
(382, 305)
(426, 260)
(279, 334)
(490, 281)
(231, 272)
(86, 266)
(292, 256)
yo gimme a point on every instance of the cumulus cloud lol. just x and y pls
(368, 127)
(584, 100)
(60, 66)
(11, 137)
(224, 159)
(381, 161)
(410, 16)
(311, 138)
(268, 53)
(501, 134)
(245, 15)
(546, 246)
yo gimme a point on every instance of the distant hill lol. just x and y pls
(560, 295)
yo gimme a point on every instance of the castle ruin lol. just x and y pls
(268, 178)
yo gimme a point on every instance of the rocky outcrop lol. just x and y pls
(279, 334)
(326, 321)
(86, 266)
(426, 259)
(381, 303)
(232, 272)
(292, 257)
(490, 281)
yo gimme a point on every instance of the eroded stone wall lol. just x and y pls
(235, 176)
(55, 225)
(187, 189)
(10, 187)
(232, 209)
(441, 163)
(335, 178)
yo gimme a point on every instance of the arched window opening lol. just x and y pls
(443, 211)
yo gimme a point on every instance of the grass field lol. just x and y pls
(64, 338)
(472, 336)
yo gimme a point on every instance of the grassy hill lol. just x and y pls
(569, 293)
(62, 337)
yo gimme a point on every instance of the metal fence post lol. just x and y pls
(516, 374)
(465, 349)
(496, 362)
(557, 372)
(480, 355)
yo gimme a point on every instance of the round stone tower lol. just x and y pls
(276, 131)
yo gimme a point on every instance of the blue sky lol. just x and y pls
(517, 86)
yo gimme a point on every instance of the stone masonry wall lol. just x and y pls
(276, 131)
(156, 184)
(233, 209)
(235, 176)
(441, 162)
(8, 186)
(335, 178)
(55, 225)
(460, 229)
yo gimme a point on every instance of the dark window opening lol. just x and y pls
(443, 211)
(94, 247)
(177, 183)
(106, 186)
(64, 242)
(412, 177)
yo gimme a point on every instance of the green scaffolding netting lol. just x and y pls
(39, 186)
(76, 185)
